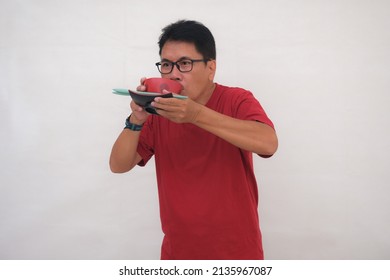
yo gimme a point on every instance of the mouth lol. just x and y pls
(182, 92)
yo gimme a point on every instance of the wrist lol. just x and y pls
(133, 119)
(132, 126)
(196, 114)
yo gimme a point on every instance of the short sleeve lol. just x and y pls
(249, 108)
(146, 142)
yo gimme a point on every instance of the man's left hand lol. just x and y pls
(177, 110)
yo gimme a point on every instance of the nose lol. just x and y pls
(175, 74)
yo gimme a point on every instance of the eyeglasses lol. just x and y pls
(184, 65)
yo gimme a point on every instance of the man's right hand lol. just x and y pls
(139, 115)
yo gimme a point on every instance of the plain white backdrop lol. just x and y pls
(321, 70)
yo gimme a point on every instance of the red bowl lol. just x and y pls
(157, 85)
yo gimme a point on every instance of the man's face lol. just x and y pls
(195, 83)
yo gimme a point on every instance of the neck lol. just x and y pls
(205, 97)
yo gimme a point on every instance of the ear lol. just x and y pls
(212, 67)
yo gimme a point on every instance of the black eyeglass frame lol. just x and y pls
(158, 64)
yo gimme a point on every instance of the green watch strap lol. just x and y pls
(132, 126)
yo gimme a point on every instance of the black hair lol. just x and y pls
(191, 32)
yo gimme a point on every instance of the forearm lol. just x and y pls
(124, 154)
(248, 135)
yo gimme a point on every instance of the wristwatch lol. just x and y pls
(132, 126)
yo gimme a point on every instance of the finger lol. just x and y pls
(167, 101)
(159, 106)
(142, 87)
(135, 107)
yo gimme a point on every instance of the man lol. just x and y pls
(203, 149)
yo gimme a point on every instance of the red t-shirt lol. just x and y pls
(207, 188)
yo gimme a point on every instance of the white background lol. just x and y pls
(321, 70)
